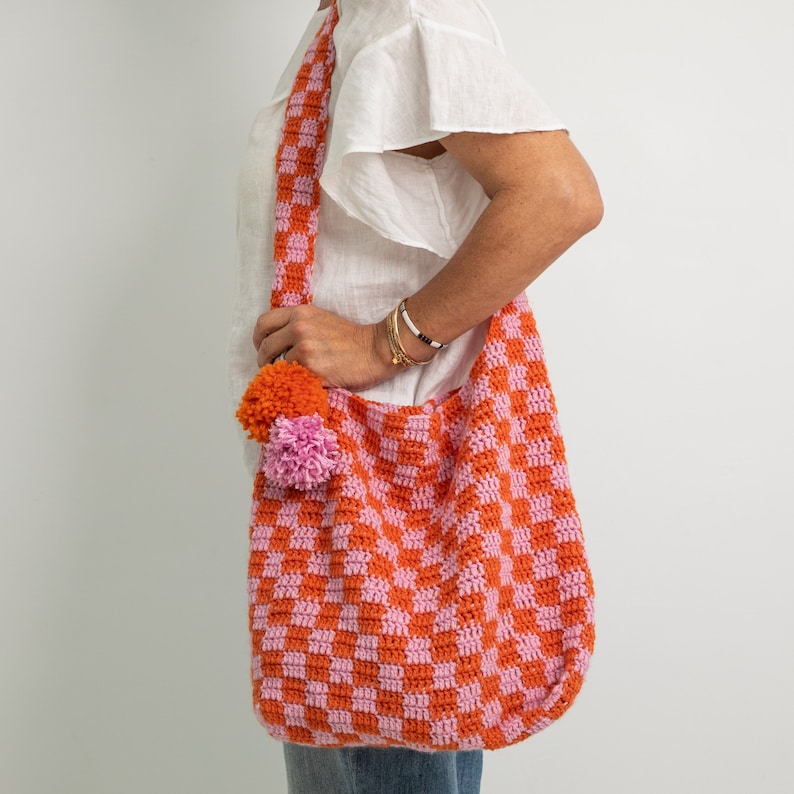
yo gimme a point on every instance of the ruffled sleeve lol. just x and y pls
(421, 81)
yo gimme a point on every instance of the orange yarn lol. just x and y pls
(280, 389)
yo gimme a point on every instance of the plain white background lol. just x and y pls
(123, 640)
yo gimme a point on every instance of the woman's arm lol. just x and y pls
(543, 199)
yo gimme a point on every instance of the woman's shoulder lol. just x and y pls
(375, 19)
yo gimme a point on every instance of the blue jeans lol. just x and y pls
(381, 770)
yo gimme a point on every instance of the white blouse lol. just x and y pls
(407, 72)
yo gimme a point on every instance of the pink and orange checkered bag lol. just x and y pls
(425, 584)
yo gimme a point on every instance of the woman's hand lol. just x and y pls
(344, 354)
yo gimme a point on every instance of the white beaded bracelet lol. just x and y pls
(398, 352)
(415, 331)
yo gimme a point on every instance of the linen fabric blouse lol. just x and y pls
(407, 72)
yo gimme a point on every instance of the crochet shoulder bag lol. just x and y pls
(417, 574)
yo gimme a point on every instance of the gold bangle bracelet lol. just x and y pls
(398, 352)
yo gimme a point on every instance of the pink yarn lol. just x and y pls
(301, 452)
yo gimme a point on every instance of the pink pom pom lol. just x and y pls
(301, 452)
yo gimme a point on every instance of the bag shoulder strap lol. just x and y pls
(299, 164)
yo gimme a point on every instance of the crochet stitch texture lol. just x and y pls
(299, 164)
(434, 592)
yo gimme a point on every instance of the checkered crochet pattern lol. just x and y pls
(299, 163)
(435, 593)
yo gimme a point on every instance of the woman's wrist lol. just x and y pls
(413, 345)
(411, 325)
(384, 363)
(395, 348)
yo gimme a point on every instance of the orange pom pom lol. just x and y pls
(280, 389)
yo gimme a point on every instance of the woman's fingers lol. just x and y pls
(270, 322)
(272, 334)
(272, 346)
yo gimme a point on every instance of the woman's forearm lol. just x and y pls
(543, 199)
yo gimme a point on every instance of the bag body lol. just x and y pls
(435, 592)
